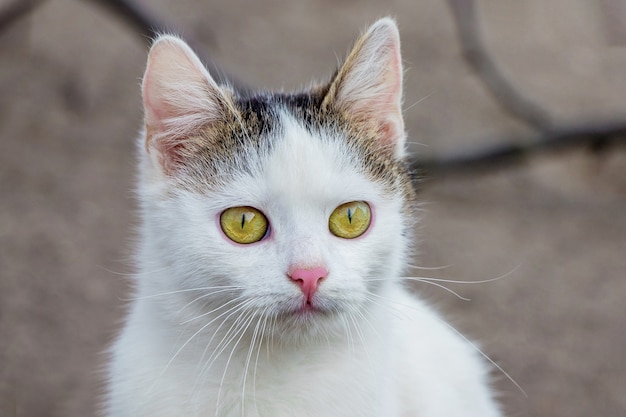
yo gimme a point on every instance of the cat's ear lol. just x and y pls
(180, 98)
(368, 86)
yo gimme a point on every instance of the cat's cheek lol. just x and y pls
(269, 235)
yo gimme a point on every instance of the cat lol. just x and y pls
(275, 228)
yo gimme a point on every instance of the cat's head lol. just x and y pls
(290, 207)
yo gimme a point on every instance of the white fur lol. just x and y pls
(385, 354)
(213, 329)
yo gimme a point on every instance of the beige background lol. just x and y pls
(70, 109)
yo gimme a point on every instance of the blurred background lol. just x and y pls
(70, 110)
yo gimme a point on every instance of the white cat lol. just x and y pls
(274, 234)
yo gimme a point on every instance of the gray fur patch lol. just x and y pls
(241, 142)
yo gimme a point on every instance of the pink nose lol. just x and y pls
(308, 280)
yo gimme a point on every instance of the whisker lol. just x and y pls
(366, 320)
(374, 331)
(248, 358)
(484, 355)
(124, 274)
(426, 281)
(483, 281)
(256, 362)
(399, 314)
(443, 287)
(234, 300)
(357, 328)
(133, 274)
(458, 333)
(241, 331)
(228, 336)
(201, 297)
(417, 102)
(224, 287)
(185, 344)
(429, 268)
(346, 325)
(221, 345)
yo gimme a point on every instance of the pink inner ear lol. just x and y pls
(179, 98)
(371, 89)
(154, 115)
(395, 71)
(179, 95)
(387, 112)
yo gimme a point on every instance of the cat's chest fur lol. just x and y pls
(266, 378)
(275, 229)
(409, 367)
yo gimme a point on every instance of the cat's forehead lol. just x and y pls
(296, 164)
(288, 141)
(313, 164)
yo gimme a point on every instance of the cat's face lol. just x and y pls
(289, 208)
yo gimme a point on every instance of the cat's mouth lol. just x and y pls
(301, 308)
(309, 308)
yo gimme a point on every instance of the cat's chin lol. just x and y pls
(308, 323)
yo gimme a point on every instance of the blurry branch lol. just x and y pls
(477, 57)
(148, 25)
(16, 9)
(145, 23)
(595, 137)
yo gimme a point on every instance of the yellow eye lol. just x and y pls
(350, 220)
(244, 224)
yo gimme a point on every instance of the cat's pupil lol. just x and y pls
(350, 216)
(243, 220)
